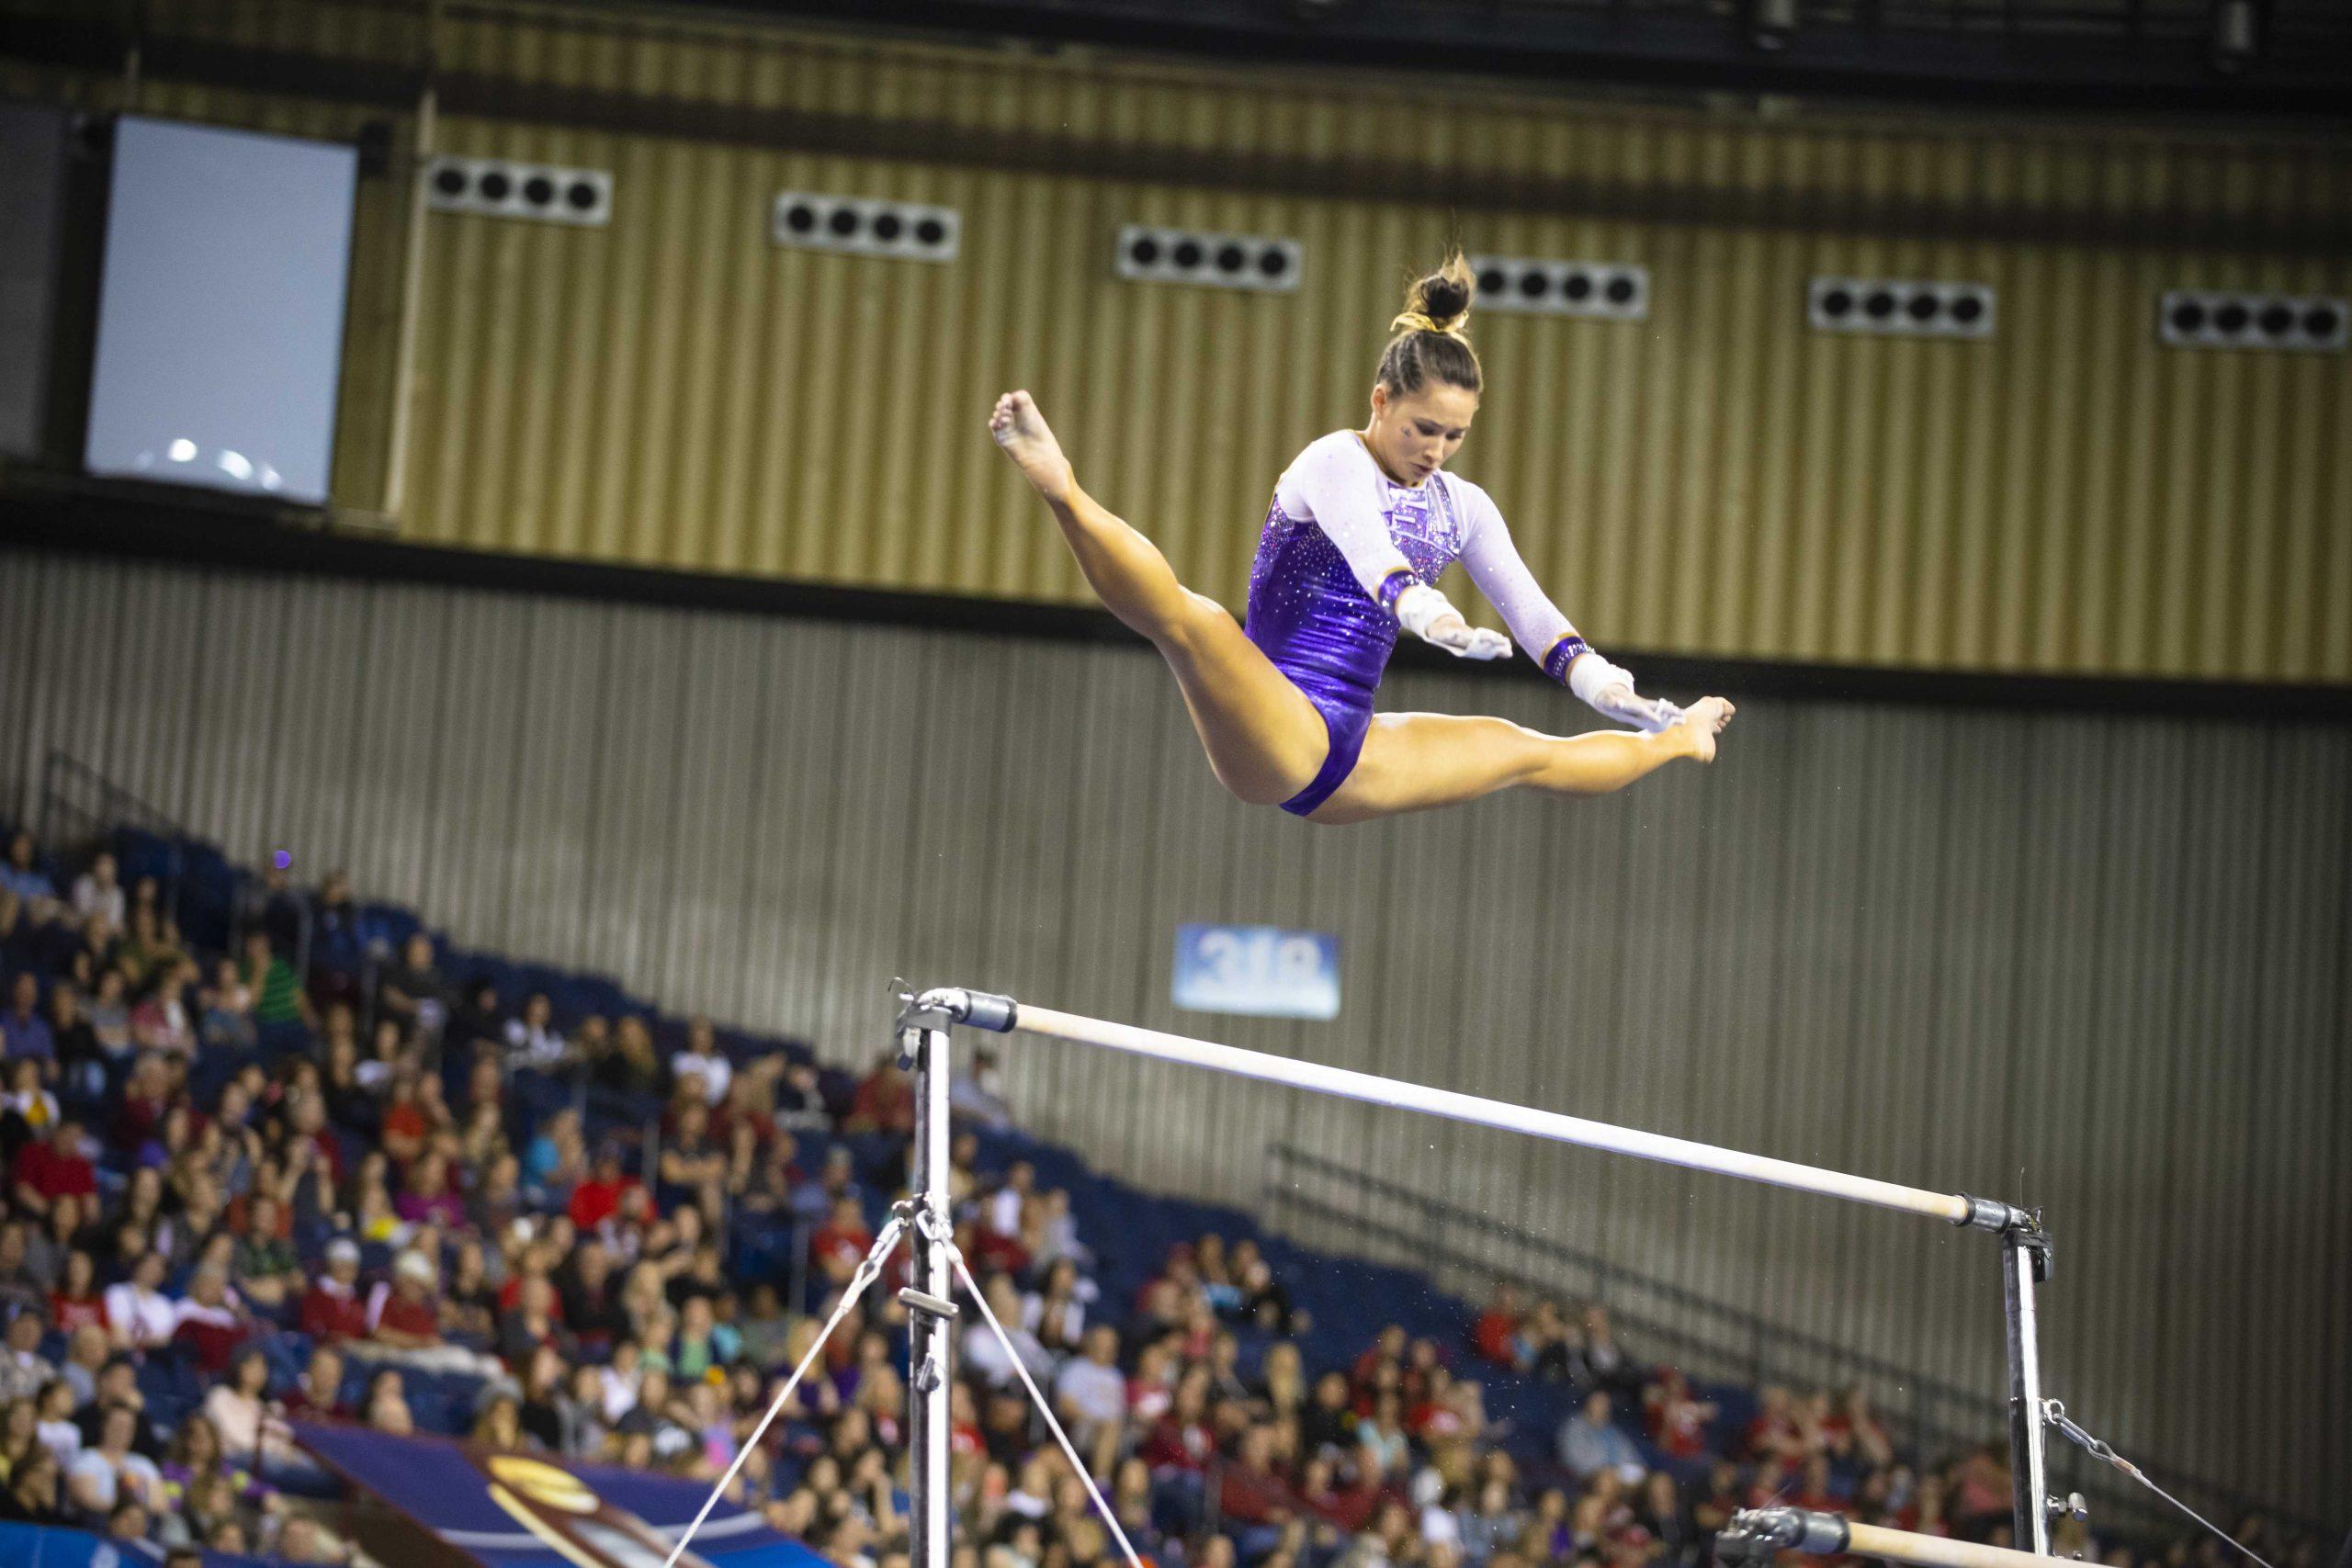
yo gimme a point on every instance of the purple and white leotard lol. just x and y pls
(1342, 541)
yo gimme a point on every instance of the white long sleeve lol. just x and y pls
(1494, 564)
(1336, 484)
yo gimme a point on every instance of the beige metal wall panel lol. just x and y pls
(2093, 964)
(675, 390)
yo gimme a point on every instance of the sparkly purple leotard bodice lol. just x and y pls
(1313, 619)
(1341, 542)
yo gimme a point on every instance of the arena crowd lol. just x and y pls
(245, 1191)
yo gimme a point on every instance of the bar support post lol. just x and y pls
(2025, 1263)
(923, 1048)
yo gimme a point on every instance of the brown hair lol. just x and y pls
(1430, 344)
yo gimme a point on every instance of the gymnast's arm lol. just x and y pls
(1494, 565)
(1340, 487)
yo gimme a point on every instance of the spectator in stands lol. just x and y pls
(978, 1097)
(842, 1242)
(22, 875)
(692, 1170)
(208, 1322)
(1678, 1420)
(27, 1036)
(27, 1108)
(279, 1004)
(800, 1100)
(986, 1354)
(98, 894)
(885, 1101)
(412, 991)
(88, 1350)
(317, 1396)
(383, 1405)
(1605, 1361)
(246, 1418)
(268, 1275)
(24, 1370)
(335, 919)
(532, 1042)
(597, 1200)
(702, 1062)
(55, 1166)
(332, 1308)
(1091, 1395)
(1772, 1433)
(32, 1495)
(269, 902)
(427, 1198)
(405, 1313)
(1591, 1443)
(109, 1470)
(476, 1023)
(226, 1009)
(79, 1061)
(1852, 1433)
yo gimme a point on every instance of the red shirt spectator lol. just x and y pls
(55, 1168)
(1774, 1432)
(842, 1242)
(1678, 1423)
(70, 1313)
(207, 1323)
(1174, 1443)
(884, 1101)
(333, 1307)
(402, 1313)
(598, 1199)
(1496, 1336)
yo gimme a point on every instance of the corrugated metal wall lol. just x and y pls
(2096, 965)
(675, 391)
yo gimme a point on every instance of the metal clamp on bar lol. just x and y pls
(1760, 1532)
(936, 1306)
(943, 1005)
(1992, 1214)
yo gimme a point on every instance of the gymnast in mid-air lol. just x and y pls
(1363, 523)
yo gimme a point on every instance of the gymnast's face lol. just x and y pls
(1413, 434)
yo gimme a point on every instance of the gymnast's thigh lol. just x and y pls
(1418, 762)
(1263, 738)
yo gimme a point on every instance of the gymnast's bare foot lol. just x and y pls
(1021, 430)
(1700, 724)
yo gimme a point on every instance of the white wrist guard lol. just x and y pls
(1609, 692)
(1591, 674)
(1419, 607)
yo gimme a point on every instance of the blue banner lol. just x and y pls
(1265, 971)
(39, 1546)
(528, 1511)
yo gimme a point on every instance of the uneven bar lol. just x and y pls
(985, 1010)
(1759, 1533)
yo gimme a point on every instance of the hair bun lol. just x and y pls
(1443, 298)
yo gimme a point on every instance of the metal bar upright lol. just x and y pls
(930, 1334)
(2025, 1262)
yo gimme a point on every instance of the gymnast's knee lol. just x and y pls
(1188, 619)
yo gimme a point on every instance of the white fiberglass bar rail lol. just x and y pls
(1003, 1015)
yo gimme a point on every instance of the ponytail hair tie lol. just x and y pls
(1414, 320)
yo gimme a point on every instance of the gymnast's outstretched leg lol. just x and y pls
(1264, 739)
(1416, 761)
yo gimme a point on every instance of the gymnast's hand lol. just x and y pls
(1429, 616)
(1608, 689)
